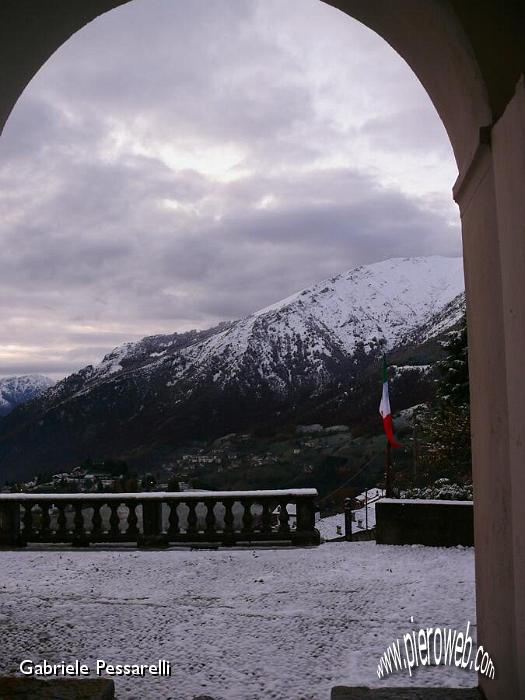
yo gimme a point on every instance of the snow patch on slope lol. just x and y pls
(301, 338)
(17, 390)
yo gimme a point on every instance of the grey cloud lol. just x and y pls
(256, 257)
(203, 69)
(92, 255)
(408, 130)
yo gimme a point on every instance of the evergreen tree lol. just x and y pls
(445, 445)
(453, 387)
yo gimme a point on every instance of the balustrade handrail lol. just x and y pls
(159, 518)
(158, 495)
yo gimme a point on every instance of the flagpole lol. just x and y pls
(388, 471)
(366, 508)
(386, 414)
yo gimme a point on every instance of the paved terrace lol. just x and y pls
(240, 624)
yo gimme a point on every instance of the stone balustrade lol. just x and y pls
(158, 519)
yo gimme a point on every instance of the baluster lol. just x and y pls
(173, 520)
(210, 519)
(61, 531)
(192, 517)
(114, 520)
(28, 520)
(284, 527)
(266, 518)
(97, 533)
(132, 530)
(247, 518)
(45, 530)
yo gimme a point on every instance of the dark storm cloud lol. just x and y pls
(176, 164)
(254, 258)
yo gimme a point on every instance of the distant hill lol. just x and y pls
(313, 356)
(17, 390)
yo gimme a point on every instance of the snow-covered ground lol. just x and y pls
(240, 624)
(333, 526)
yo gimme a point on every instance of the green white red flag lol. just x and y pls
(384, 410)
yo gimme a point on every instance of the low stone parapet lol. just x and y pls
(159, 519)
(431, 522)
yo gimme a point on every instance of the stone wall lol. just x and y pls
(434, 523)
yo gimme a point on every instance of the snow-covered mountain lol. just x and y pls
(17, 390)
(382, 305)
(264, 368)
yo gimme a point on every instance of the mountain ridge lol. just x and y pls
(281, 362)
(19, 389)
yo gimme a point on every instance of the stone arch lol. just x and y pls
(470, 58)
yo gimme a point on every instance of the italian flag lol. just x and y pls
(384, 410)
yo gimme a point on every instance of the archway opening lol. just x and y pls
(214, 167)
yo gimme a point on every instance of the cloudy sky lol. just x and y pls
(176, 164)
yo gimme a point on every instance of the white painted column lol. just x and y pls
(508, 148)
(476, 195)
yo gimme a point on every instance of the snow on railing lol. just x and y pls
(157, 519)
